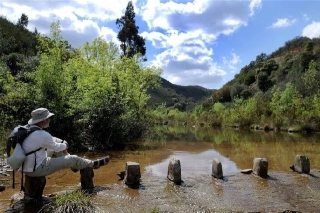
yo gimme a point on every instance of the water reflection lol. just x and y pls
(193, 164)
(242, 147)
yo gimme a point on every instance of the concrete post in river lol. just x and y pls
(260, 167)
(132, 174)
(174, 171)
(301, 164)
(217, 169)
(86, 179)
(33, 188)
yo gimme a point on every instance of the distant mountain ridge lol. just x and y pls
(177, 96)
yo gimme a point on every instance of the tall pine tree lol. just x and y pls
(131, 42)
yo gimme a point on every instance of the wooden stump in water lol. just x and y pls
(217, 169)
(301, 164)
(132, 174)
(86, 179)
(174, 171)
(34, 187)
(260, 167)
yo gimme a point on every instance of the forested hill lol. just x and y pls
(176, 96)
(288, 64)
(17, 44)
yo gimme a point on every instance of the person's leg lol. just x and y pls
(51, 165)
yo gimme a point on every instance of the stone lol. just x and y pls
(260, 167)
(86, 179)
(33, 189)
(174, 171)
(132, 174)
(301, 164)
(217, 169)
(246, 171)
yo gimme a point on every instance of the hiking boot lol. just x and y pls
(100, 162)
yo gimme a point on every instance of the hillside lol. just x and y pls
(176, 96)
(17, 45)
(286, 65)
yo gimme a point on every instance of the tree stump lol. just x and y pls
(217, 169)
(86, 179)
(33, 189)
(174, 171)
(132, 174)
(301, 164)
(260, 167)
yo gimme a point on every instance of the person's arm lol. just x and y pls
(53, 143)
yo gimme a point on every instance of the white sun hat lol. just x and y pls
(39, 115)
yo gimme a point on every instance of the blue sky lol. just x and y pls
(194, 42)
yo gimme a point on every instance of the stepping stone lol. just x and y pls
(174, 171)
(217, 169)
(246, 171)
(260, 167)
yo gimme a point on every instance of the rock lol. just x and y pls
(260, 167)
(132, 174)
(246, 171)
(2, 188)
(301, 164)
(174, 171)
(217, 169)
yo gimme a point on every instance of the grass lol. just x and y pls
(75, 201)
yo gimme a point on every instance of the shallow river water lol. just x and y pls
(200, 192)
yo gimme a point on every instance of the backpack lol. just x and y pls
(15, 140)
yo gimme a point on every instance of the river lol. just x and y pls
(200, 192)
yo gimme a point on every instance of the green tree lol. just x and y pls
(286, 106)
(131, 42)
(311, 78)
(110, 93)
(23, 20)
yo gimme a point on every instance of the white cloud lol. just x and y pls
(80, 20)
(185, 32)
(283, 22)
(188, 61)
(232, 62)
(254, 4)
(181, 31)
(312, 30)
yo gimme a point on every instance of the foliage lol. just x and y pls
(131, 42)
(110, 91)
(23, 20)
(311, 78)
(286, 106)
(97, 96)
(75, 201)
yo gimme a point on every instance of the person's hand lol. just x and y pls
(66, 143)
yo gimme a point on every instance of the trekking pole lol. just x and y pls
(13, 179)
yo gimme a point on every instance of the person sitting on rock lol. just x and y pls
(40, 163)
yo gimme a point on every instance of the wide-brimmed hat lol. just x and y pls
(39, 115)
